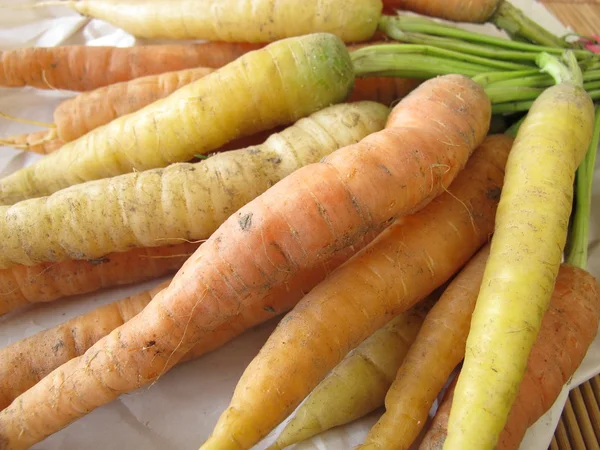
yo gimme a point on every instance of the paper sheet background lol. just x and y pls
(180, 410)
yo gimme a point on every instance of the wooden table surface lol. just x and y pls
(583, 16)
(579, 425)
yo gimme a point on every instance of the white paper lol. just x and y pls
(180, 410)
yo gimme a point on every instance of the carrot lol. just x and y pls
(182, 201)
(88, 110)
(567, 330)
(386, 90)
(357, 385)
(83, 68)
(24, 285)
(234, 21)
(276, 85)
(403, 265)
(42, 142)
(268, 243)
(437, 350)
(25, 362)
(79, 115)
(499, 12)
(526, 251)
(478, 11)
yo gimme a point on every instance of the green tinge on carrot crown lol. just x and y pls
(560, 72)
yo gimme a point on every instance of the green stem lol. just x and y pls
(592, 85)
(512, 107)
(501, 77)
(539, 80)
(410, 61)
(512, 94)
(591, 75)
(531, 79)
(512, 20)
(462, 46)
(569, 73)
(577, 248)
(416, 24)
(411, 66)
(428, 50)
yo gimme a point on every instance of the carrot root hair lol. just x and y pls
(27, 121)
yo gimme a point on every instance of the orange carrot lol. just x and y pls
(568, 328)
(437, 350)
(83, 68)
(295, 226)
(88, 110)
(42, 142)
(411, 258)
(477, 11)
(25, 362)
(79, 115)
(386, 90)
(23, 285)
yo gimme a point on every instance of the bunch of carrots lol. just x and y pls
(413, 197)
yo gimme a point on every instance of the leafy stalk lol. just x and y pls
(512, 94)
(415, 24)
(486, 51)
(486, 64)
(578, 238)
(560, 72)
(411, 61)
(504, 76)
(512, 20)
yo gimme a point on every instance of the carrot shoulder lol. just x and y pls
(400, 267)
(295, 226)
(568, 328)
(24, 285)
(83, 68)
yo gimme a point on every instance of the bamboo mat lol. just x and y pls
(579, 425)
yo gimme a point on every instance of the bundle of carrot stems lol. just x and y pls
(344, 171)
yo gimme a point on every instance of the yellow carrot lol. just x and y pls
(275, 85)
(526, 251)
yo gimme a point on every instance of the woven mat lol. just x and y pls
(579, 425)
